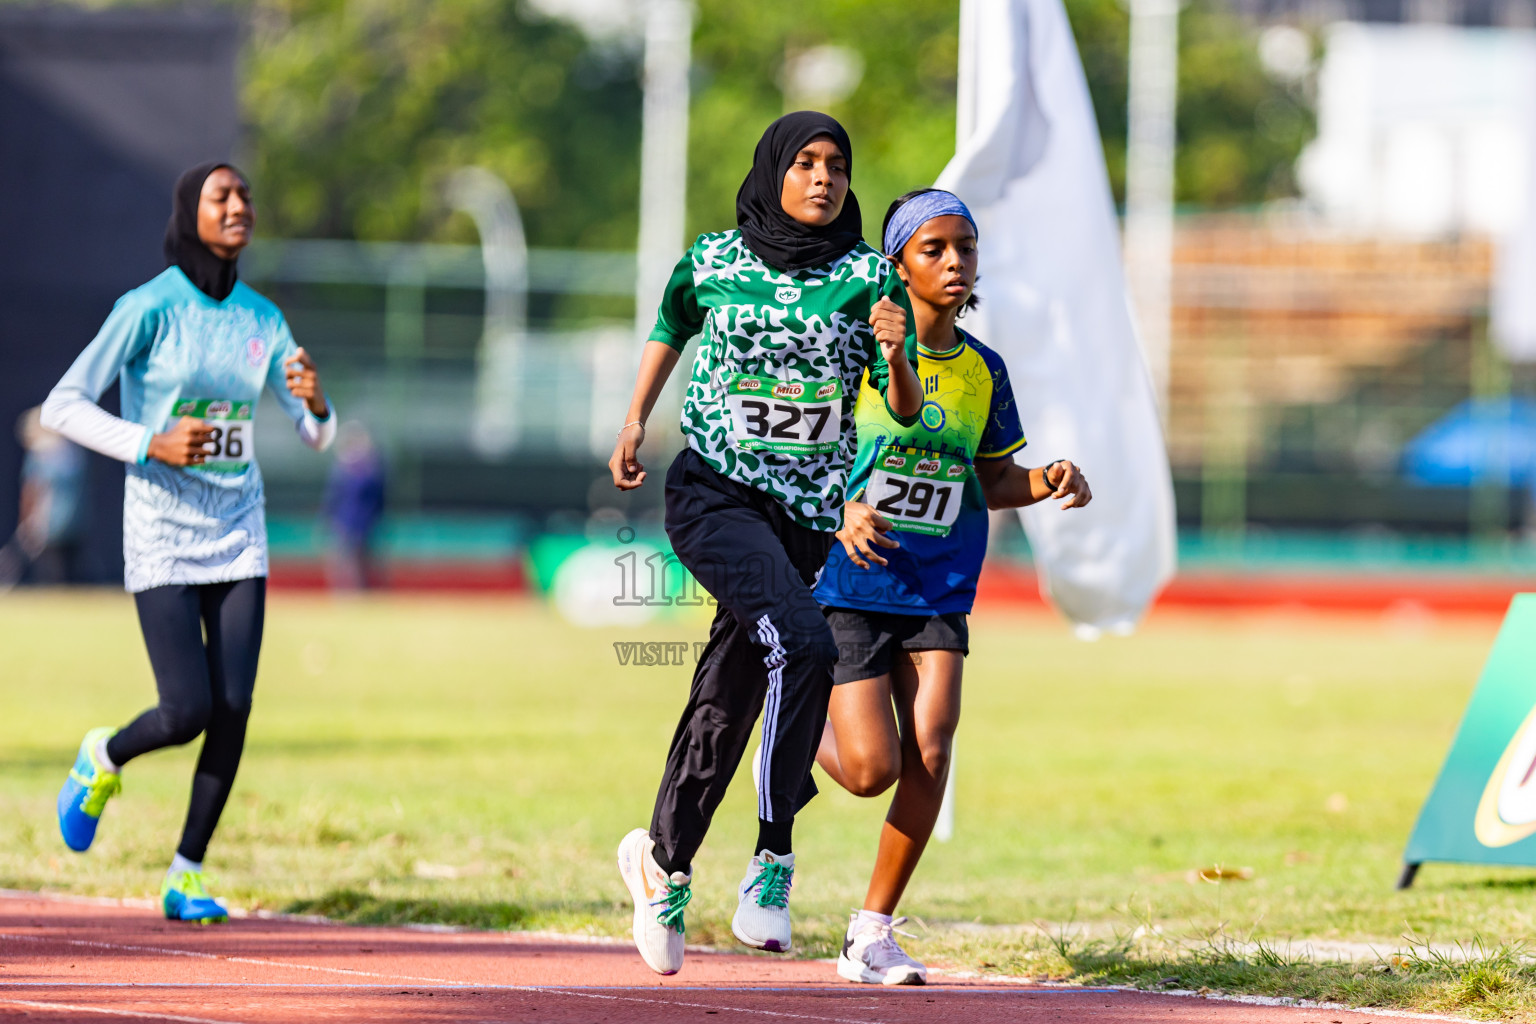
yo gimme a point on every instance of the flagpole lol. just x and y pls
(668, 34)
(1149, 167)
(504, 250)
(663, 151)
(966, 88)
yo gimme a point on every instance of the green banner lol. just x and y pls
(1482, 809)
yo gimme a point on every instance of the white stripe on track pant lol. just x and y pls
(770, 651)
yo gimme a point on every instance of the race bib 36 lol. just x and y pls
(233, 443)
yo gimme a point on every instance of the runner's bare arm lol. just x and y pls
(656, 364)
(1007, 484)
(863, 526)
(904, 394)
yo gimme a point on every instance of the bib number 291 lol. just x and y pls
(791, 418)
(918, 494)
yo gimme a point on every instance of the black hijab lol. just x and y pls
(212, 276)
(774, 235)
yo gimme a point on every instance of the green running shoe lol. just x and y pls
(86, 792)
(184, 898)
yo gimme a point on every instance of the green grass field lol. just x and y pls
(477, 761)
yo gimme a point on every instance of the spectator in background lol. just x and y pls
(50, 524)
(354, 504)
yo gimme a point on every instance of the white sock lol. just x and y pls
(869, 917)
(103, 759)
(180, 864)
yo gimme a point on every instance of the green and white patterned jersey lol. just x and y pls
(771, 397)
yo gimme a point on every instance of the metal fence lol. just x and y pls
(1303, 364)
(400, 334)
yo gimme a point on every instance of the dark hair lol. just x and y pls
(972, 300)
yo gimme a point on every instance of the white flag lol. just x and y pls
(1054, 306)
(1512, 306)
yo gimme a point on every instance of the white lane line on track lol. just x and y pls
(141, 1014)
(528, 989)
(800, 990)
(707, 1006)
(516, 937)
(196, 955)
(537, 989)
(240, 913)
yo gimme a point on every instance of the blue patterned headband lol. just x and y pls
(917, 211)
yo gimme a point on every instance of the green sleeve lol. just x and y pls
(679, 317)
(880, 370)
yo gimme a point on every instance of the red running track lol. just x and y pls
(73, 960)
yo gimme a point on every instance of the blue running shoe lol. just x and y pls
(183, 898)
(86, 792)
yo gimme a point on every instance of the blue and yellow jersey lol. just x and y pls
(922, 479)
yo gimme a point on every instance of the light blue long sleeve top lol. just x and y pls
(167, 343)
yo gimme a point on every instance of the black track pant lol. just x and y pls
(770, 650)
(203, 644)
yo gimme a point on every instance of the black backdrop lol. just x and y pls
(99, 111)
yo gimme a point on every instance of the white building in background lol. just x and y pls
(1424, 130)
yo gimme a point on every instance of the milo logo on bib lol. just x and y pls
(787, 417)
(918, 493)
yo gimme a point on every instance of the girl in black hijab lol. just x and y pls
(797, 314)
(779, 239)
(192, 351)
(213, 275)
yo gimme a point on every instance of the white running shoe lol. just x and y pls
(870, 954)
(762, 908)
(659, 902)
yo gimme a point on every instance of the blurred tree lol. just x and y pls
(356, 106)
(1239, 130)
(900, 113)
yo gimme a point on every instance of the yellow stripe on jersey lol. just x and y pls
(1006, 451)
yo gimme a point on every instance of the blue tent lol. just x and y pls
(1488, 440)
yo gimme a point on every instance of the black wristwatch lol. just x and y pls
(1045, 473)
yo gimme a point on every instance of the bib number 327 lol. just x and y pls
(787, 417)
(230, 449)
(917, 493)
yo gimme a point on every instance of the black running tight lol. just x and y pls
(203, 641)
